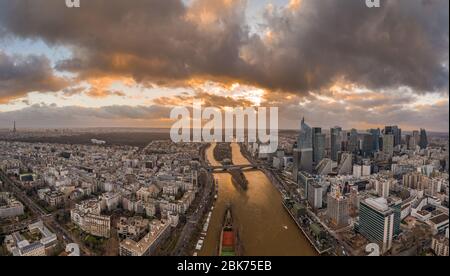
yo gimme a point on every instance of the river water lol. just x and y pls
(265, 227)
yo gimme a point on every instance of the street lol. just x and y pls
(63, 235)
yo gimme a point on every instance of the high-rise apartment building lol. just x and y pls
(337, 208)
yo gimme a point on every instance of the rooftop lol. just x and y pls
(439, 219)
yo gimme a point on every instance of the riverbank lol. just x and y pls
(265, 228)
(312, 240)
(285, 191)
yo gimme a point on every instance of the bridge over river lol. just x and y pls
(226, 168)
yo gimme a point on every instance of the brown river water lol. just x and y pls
(265, 228)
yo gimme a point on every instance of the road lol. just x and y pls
(196, 216)
(48, 218)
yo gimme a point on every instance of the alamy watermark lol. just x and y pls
(73, 3)
(373, 3)
(226, 125)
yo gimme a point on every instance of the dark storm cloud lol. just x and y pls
(157, 40)
(22, 74)
(404, 43)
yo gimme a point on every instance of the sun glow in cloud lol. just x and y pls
(293, 54)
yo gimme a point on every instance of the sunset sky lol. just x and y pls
(116, 63)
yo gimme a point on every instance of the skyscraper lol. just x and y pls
(305, 136)
(379, 221)
(335, 142)
(305, 146)
(353, 142)
(303, 154)
(367, 145)
(318, 145)
(408, 141)
(396, 132)
(388, 144)
(376, 133)
(423, 142)
(415, 139)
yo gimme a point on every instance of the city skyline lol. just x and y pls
(14, 128)
(386, 66)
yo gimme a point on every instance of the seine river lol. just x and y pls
(265, 227)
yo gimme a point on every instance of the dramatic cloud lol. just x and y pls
(308, 46)
(337, 62)
(318, 111)
(404, 43)
(207, 100)
(22, 74)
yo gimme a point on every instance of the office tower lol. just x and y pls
(304, 149)
(305, 136)
(376, 134)
(337, 209)
(346, 165)
(315, 195)
(408, 141)
(388, 144)
(304, 180)
(335, 137)
(14, 128)
(388, 130)
(376, 222)
(367, 147)
(353, 142)
(415, 140)
(423, 141)
(397, 132)
(318, 145)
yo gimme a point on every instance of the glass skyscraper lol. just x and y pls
(335, 142)
(423, 143)
(318, 145)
